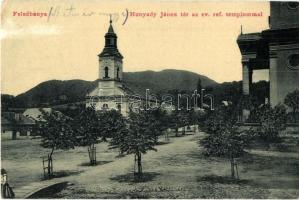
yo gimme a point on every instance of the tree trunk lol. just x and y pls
(232, 167)
(94, 155)
(14, 135)
(50, 164)
(135, 161)
(166, 135)
(176, 131)
(184, 130)
(91, 154)
(139, 165)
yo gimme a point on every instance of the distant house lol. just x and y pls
(16, 124)
(35, 113)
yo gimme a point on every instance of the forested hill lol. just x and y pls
(56, 92)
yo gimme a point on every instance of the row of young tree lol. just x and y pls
(139, 133)
(135, 134)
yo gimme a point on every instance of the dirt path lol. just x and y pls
(101, 177)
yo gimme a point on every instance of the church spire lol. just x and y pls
(110, 48)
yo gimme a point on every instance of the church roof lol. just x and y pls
(126, 91)
(110, 49)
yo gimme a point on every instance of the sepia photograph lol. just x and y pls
(162, 99)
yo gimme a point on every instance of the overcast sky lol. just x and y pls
(37, 49)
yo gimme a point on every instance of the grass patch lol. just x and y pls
(262, 162)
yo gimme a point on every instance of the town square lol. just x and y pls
(114, 101)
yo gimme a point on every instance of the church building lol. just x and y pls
(275, 49)
(111, 92)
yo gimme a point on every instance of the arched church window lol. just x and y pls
(105, 106)
(117, 73)
(106, 72)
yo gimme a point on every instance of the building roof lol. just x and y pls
(12, 118)
(249, 37)
(35, 113)
(123, 88)
(110, 49)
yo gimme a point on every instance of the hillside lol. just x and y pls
(165, 80)
(56, 92)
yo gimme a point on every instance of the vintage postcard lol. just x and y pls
(164, 99)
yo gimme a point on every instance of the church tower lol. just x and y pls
(110, 65)
(111, 92)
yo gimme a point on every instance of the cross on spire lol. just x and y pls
(110, 18)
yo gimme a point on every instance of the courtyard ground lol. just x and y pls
(177, 170)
